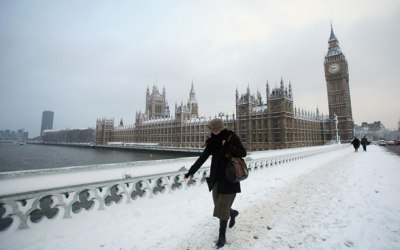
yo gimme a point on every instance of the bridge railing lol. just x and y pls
(24, 210)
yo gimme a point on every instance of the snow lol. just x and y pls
(335, 200)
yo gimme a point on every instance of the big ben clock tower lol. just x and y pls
(337, 83)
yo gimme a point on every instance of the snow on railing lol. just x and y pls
(24, 210)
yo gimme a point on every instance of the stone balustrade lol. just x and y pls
(22, 210)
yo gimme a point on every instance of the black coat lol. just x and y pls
(356, 143)
(364, 141)
(215, 147)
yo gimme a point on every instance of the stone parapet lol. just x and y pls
(23, 210)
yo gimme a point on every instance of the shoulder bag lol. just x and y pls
(236, 169)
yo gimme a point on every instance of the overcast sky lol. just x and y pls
(91, 59)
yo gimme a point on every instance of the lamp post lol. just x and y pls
(335, 121)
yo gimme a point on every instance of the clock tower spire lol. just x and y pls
(338, 89)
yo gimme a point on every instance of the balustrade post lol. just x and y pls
(22, 210)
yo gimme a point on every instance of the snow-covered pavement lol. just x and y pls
(336, 200)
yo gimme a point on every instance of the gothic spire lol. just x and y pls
(192, 93)
(332, 37)
(333, 49)
(237, 94)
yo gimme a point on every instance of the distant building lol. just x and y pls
(186, 129)
(273, 124)
(375, 126)
(277, 123)
(156, 103)
(8, 135)
(376, 131)
(47, 120)
(84, 135)
(370, 127)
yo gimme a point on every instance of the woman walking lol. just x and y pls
(222, 145)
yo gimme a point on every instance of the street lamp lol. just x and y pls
(335, 121)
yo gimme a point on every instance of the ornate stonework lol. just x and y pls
(273, 124)
(338, 89)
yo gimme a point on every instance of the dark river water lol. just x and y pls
(15, 157)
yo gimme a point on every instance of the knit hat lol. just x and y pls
(216, 125)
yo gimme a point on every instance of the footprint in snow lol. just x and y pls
(349, 243)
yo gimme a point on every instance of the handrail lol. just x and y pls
(23, 210)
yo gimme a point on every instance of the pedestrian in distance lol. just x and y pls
(356, 143)
(364, 143)
(221, 145)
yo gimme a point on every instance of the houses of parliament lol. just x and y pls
(273, 124)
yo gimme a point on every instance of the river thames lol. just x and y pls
(14, 157)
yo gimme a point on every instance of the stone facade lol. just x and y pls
(104, 131)
(337, 84)
(277, 124)
(271, 125)
(274, 124)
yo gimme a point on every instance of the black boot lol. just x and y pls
(232, 221)
(222, 230)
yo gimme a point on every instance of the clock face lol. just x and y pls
(334, 68)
